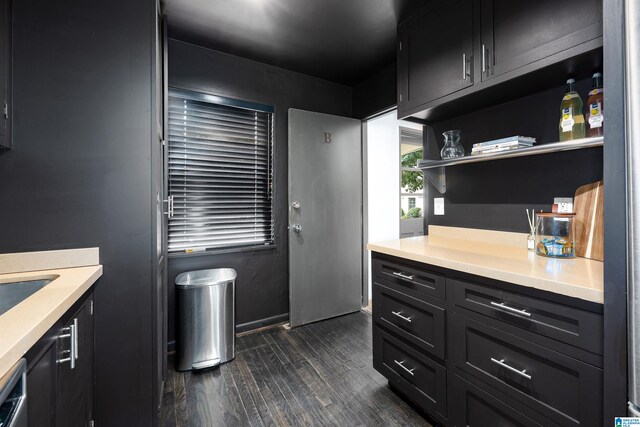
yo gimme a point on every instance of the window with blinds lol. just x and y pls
(220, 173)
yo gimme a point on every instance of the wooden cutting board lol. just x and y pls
(588, 205)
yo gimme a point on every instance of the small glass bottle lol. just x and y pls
(531, 241)
(571, 115)
(595, 108)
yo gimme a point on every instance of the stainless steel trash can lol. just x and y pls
(206, 318)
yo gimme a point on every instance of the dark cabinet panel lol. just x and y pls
(422, 379)
(435, 54)
(5, 73)
(553, 384)
(74, 405)
(476, 407)
(41, 403)
(570, 325)
(419, 322)
(409, 280)
(515, 35)
(62, 393)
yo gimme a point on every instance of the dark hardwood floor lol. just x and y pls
(315, 375)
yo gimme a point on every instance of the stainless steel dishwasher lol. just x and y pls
(13, 396)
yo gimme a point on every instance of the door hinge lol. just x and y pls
(91, 307)
(92, 424)
(400, 97)
(6, 110)
(400, 46)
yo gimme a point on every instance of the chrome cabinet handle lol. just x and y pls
(402, 276)
(484, 54)
(73, 344)
(502, 306)
(522, 373)
(401, 364)
(398, 314)
(464, 66)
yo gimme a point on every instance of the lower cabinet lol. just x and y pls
(60, 371)
(485, 353)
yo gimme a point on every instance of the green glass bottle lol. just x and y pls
(571, 114)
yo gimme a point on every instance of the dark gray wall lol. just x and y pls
(375, 94)
(79, 172)
(262, 292)
(494, 195)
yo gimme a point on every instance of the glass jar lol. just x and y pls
(555, 235)
(452, 147)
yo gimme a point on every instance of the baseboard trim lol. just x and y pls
(261, 323)
(245, 327)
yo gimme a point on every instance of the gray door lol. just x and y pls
(325, 179)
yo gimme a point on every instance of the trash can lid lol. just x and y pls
(202, 278)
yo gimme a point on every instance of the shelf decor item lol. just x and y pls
(531, 238)
(555, 234)
(452, 147)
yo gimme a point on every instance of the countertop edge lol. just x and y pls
(31, 334)
(543, 284)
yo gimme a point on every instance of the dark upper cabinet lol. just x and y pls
(5, 74)
(435, 52)
(515, 34)
(455, 57)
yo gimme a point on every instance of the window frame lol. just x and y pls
(203, 96)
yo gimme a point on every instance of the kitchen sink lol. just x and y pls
(13, 293)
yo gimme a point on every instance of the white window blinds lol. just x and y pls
(220, 173)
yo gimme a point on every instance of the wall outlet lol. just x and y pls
(565, 204)
(438, 206)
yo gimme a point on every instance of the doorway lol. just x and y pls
(393, 183)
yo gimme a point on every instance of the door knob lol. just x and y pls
(295, 205)
(297, 228)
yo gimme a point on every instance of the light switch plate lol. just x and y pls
(438, 206)
(565, 204)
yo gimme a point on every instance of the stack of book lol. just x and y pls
(504, 144)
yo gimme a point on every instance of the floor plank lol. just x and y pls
(315, 375)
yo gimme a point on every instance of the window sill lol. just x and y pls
(222, 251)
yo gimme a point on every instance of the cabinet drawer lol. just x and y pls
(573, 326)
(559, 387)
(477, 408)
(408, 279)
(417, 321)
(422, 379)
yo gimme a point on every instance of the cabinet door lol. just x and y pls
(40, 404)
(435, 54)
(74, 406)
(516, 34)
(5, 73)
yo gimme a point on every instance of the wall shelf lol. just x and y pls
(434, 170)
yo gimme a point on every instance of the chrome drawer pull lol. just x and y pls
(510, 309)
(402, 276)
(409, 371)
(398, 313)
(511, 368)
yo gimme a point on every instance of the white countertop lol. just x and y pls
(500, 256)
(23, 325)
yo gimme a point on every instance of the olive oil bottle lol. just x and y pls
(571, 114)
(595, 108)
